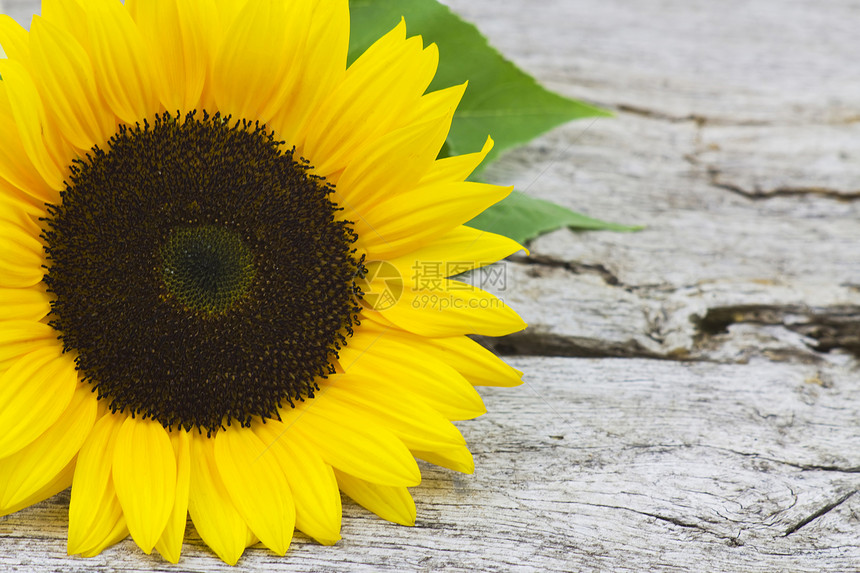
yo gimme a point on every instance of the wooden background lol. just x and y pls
(692, 396)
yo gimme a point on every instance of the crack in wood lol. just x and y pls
(699, 119)
(805, 467)
(734, 540)
(825, 468)
(662, 330)
(654, 114)
(673, 521)
(753, 455)
(784, 191)
(830, 327)
(536, 343)
(573, 267)
(819, 513)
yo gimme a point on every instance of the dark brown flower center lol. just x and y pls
(207, 268)
(200, 273)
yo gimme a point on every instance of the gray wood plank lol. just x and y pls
(606, 464)
(701, 408)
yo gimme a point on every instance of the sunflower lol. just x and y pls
(223, 286)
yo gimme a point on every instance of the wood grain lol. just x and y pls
(692, 396)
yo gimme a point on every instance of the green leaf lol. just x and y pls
(501, 101)
(523, 218)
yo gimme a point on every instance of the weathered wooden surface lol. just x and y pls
(693, 390)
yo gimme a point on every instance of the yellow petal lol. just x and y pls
(13, 39)
(121, 64)
(257, 68)
(19, 337)
(144, 474)
(457, 168)
(24, 303)
(133, 7)
(408, 220)
(477, 364)
(60, 482)
(311, 480)
(321, 70)
(229, 10)
(390, 365)
(170, 543)
(250, 538)
(361, 448)
(21, 257)
(65, 75)
(395, 162)
(405, 415)
(68, 15)
(34, 393)
(219, 22)
(439, 103)
(377, 90)
(94, 512)
(393, 504)
(214, 515)
(19, 207)
(453, 309)
(257, 486)
(114, 536)
(458, 459)
(28, 472)
(480, 366)
(459, 250)
(16, 169)
(175, 33)
(48, 152)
